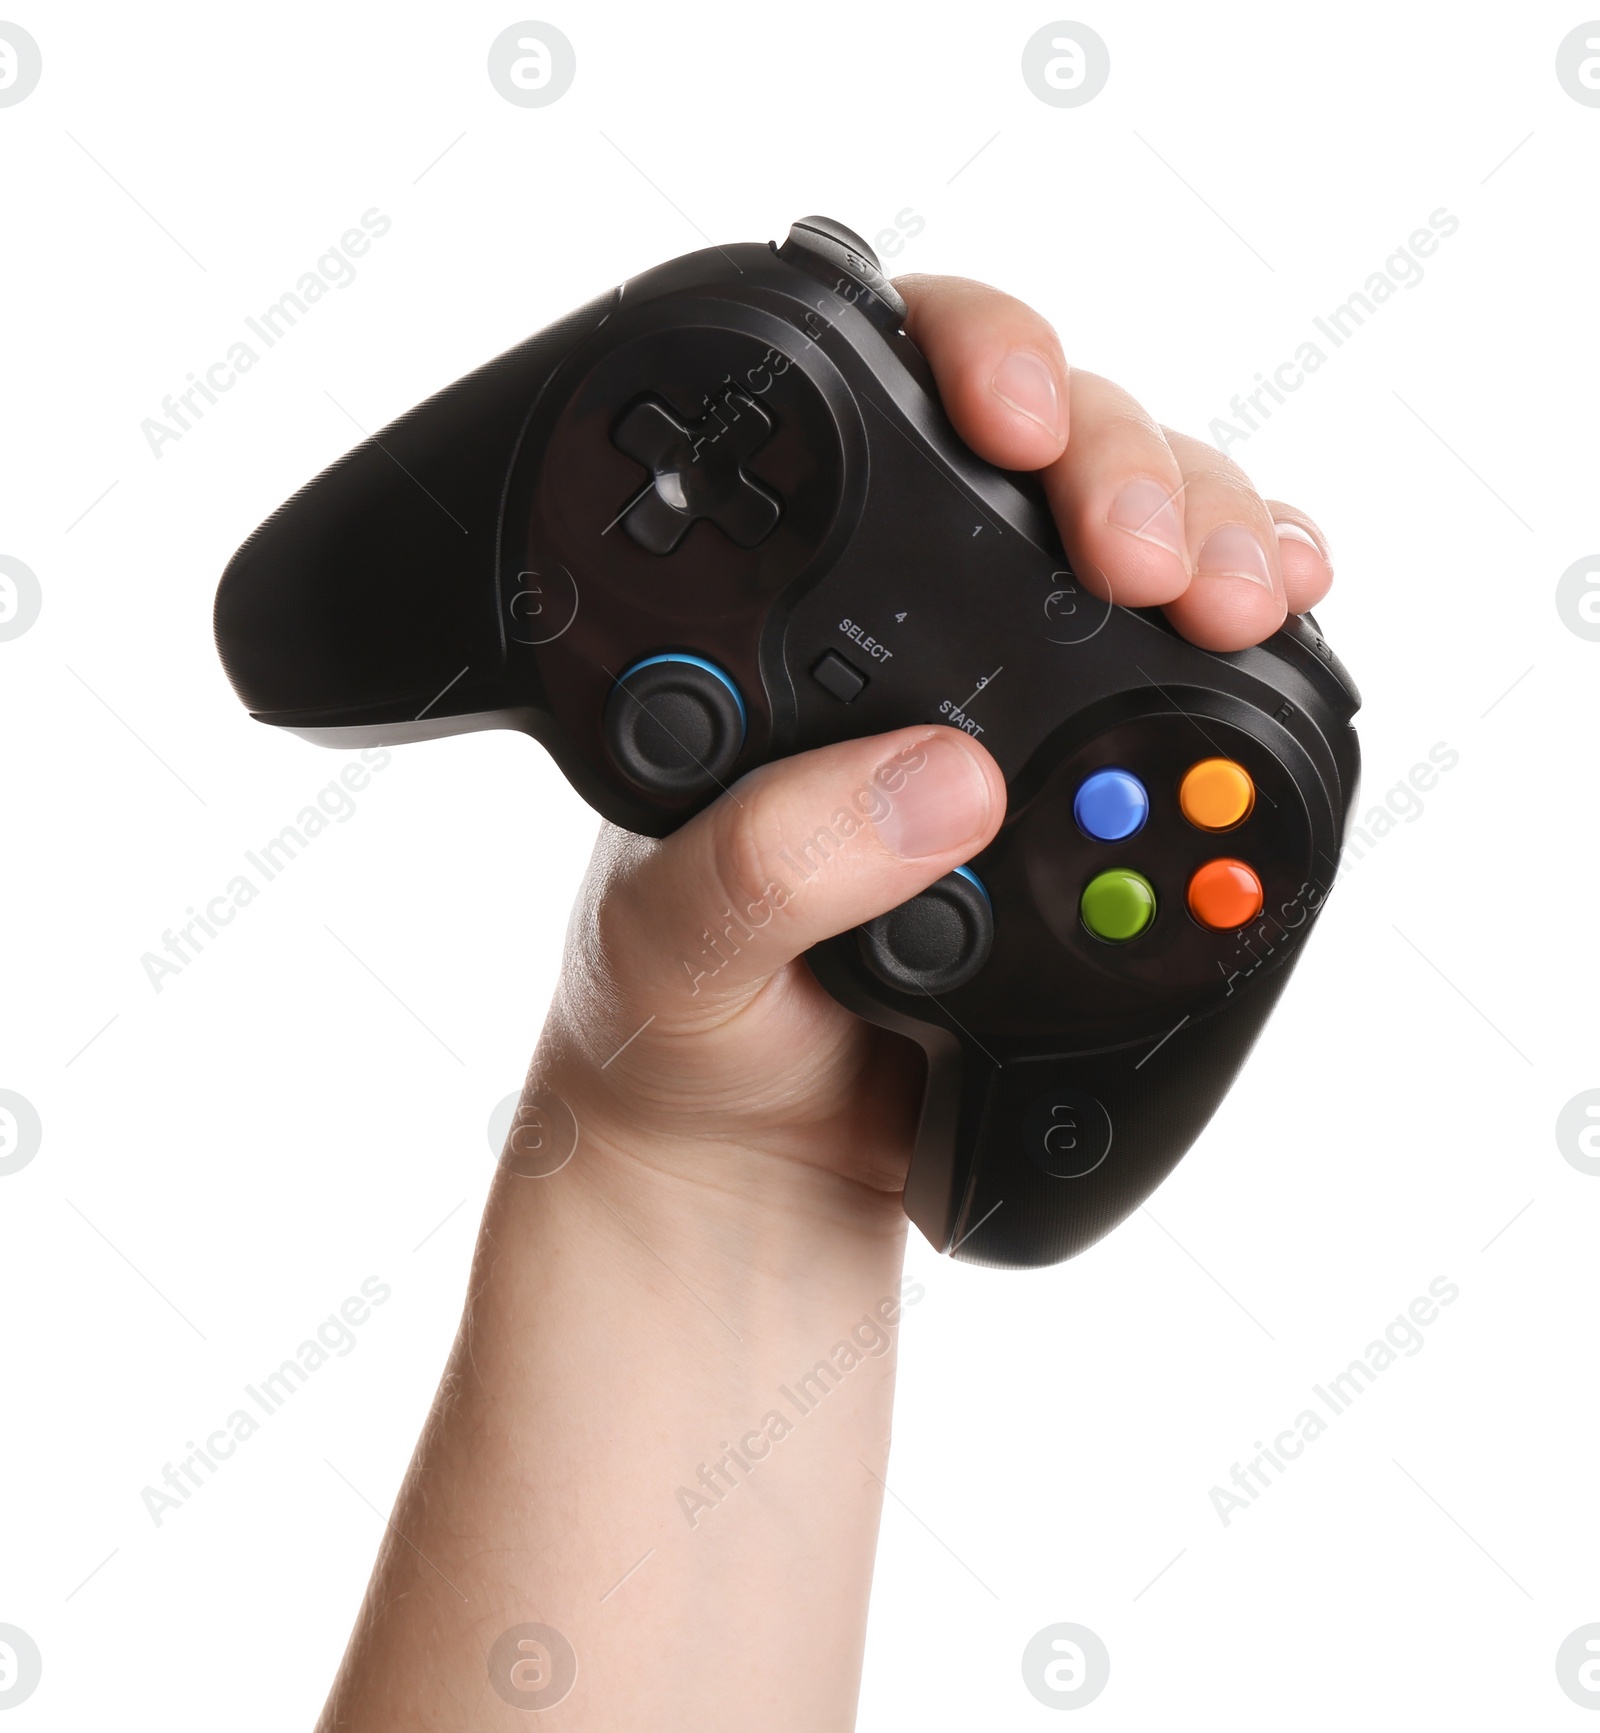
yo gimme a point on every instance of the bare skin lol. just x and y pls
(632, 1443)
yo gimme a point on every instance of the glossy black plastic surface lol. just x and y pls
(738, 460)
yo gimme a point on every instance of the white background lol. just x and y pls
(274, 1126)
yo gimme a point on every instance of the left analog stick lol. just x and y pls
(674, 725)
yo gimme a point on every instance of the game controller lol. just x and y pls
(718, 516)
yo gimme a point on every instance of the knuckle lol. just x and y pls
(604, 934)
(1226, 488)
(747, 844)
(1050, 336)
(747, 869)
(1128, 426)
(612, 916)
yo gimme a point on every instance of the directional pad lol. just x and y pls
(696, 473)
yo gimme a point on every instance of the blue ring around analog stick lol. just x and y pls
(698, 662)
(968, 874)
(1111, 805)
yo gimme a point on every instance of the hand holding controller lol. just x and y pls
(718, 517)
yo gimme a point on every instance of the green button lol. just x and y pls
(1118, 904)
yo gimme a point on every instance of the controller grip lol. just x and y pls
(1063, 1148)
(359, 598)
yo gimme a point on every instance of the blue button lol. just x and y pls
(1111, 805)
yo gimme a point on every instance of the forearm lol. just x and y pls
(663, 1426)
(661, 1432)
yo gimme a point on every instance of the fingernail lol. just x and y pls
(1232, 551)
(1293, 533)
(1146, 509)
(937, 795)
(1026, 384)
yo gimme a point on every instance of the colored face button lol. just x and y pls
(1111, 805)
(1224, 894)
(1118, 905)
(1216, 794)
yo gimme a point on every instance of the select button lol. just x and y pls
(836, 677)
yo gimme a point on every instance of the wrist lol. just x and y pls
(779, 1238)
(738, 1219)
(709, 1172)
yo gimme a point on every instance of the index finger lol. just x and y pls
(1002, 375)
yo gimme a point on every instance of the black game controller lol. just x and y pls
(718, 516)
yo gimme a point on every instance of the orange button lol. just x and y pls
(1216, 794)
(1224, 894)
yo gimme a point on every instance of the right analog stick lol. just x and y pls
(935, 942)
(674, 724)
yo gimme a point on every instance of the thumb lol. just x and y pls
(793, 853)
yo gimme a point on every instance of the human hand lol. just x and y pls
(688, 1038)
(729, 1227)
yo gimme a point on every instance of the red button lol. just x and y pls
(1224, 894)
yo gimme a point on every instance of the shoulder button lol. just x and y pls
(840, 258)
